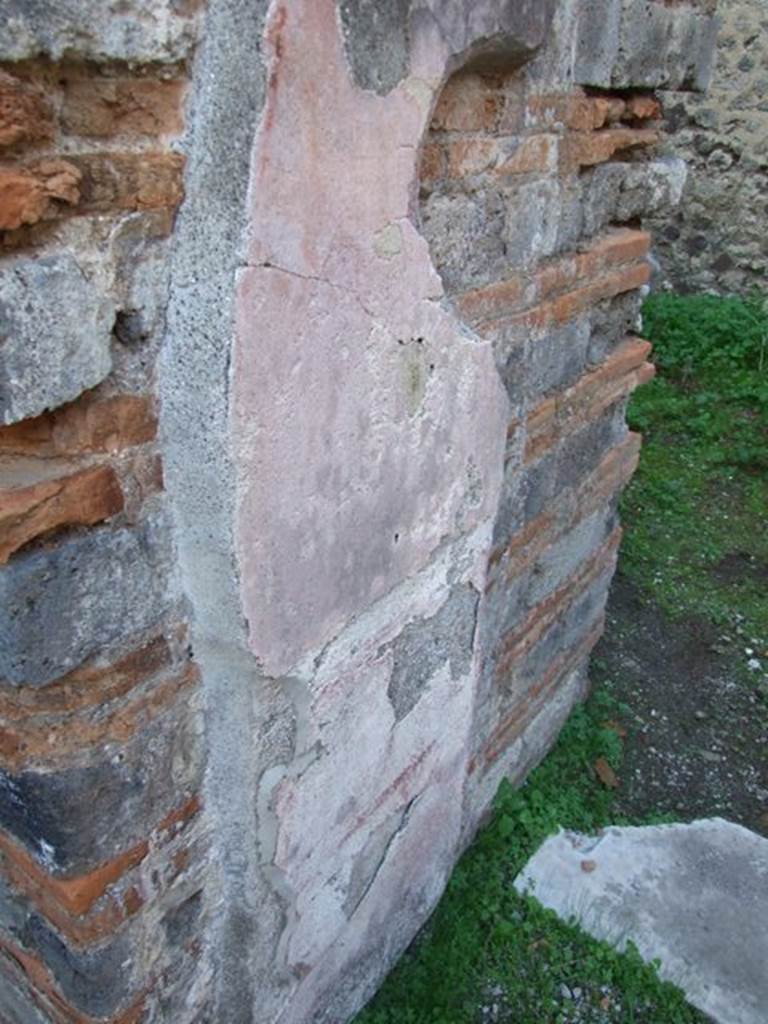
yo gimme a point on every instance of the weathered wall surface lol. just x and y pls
(101, 752)
(374, 272)
(716, 238)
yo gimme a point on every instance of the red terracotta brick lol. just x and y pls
(32, 508)
(41, 739)
(553, 110)
(595, 391)
(30, 194)
(25, 115)
(88, 425)
(32, 971)
(433, 163)
(70, 903)
(593, 269)
(102, 107)
(607, 110)
(643, 108)
(34, 974)
(91, 685)
(493, 300)
(519, 640)
(468, 103)
(471, 156)
(585, 149)
(619, 246)
(541, 429)
(611, 474)
(112, 182)
(515, 722)
(534, 154)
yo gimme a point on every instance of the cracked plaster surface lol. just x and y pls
(353, 459)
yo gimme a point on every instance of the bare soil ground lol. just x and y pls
(697, 729)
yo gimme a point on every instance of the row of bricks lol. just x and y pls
(84, 984)
(44, 484)
(624, 370)
(86, 908)
(515, 556)
(515, 644)
(30, 975)
(85, 140)
(494, 104)
(562, 287)
(456, 159)
(40, 103)
(513, 723)
(87, 184)
(53, 110)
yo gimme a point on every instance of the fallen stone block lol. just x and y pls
(695, 897)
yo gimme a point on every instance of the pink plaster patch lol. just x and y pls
(363, 416)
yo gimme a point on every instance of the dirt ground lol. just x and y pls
(697, 727)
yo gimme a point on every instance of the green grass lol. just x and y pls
(699, 498)
(696, 533)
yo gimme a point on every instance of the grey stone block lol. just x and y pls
(620, 193)
(75, 818)
(665, 47)
(54, 335)
(485, 32)
(695, 897)
(141, 30)
(60, 605)
(95, 981)
(611, 321)
(557, 358)
(597, 41)
(425, 645)
(644, 43)
(465, 233)
(16, 1006)
(376, 41)
(532, 222)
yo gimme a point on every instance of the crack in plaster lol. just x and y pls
(350, 909)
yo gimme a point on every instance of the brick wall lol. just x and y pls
(100, 754)
(548, 267)
(317, 324)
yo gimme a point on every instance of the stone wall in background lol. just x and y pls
(717, 239)
(317, 325)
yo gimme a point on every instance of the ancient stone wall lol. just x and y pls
(100, 736)
(317, 330)
(716, 239)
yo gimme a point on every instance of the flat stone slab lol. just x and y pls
(694, 896)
